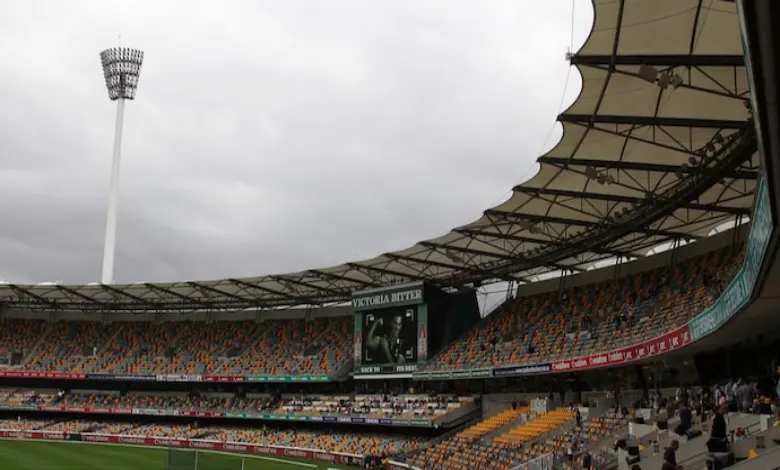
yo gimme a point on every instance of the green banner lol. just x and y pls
(287, 378)
(17, 407)
(419, 422)
(397, 296)
(454, 374)
(740, 290)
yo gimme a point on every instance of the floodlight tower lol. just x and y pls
(121, 69)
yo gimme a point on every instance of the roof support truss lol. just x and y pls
(117, 293)
(171, 293)
(208, 289)
(246, 286)
(522, 239)
(562, 193)
(290, 280)
(634, 166)
(536, 218)
(651, 121)
(327, 275)
(672, 60)
(26, 293)
(85, 298)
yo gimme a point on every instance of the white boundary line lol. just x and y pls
(161, 448)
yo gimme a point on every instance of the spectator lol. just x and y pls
(718, 441)
(587, 461)
(670, 457)
(686, 420)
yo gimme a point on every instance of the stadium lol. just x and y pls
(640, 314)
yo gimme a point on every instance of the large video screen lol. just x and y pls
(389, 336)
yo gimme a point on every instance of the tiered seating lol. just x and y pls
(535, 427)
(374, 406)
(594, 318)
(590, 431)
(72, 426)
(518, 445)
(275, 347)
(329, 440)
(251, 405)
(354, 443)
(331, 348)
(492, 423)
(134, 350)
(147, 401)
(281, 347)
(405, 407)
(466, 450)
(201, 343)
(14, 397)
(552, 326)
(24, 424)
(140, 348)
(19, 335)
(65, 346)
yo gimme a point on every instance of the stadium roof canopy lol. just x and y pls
(658, 147)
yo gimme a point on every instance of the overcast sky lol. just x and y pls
(268, 136)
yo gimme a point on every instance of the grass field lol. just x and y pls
(48, 455)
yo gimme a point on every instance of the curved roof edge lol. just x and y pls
(657, 146)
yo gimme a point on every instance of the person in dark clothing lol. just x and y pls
(686, 421)
(587, 461)
(578, 417)
(718, 441)
(670, 457)
(719, 426)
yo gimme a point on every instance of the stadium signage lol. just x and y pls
(455, 374)
(285, 378)
(660, 345)
(217, 414)
(739, 291)
(656, 346)
(41, 375)
(278, 451)
(398, 296)
(521, 370)
(383, 369)
(166, 378)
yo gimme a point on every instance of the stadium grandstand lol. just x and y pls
(639, 318)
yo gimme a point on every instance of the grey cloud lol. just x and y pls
(267, 136)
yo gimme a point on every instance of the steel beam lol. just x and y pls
(633, 166)
(652, 121)
(672, 60)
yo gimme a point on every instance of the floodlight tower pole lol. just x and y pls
(121, 69)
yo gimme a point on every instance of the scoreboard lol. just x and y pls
(391, 330)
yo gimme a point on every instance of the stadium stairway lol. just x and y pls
(692, 451)
(768, 460)
(37, 344)
(112, 338)
(516, 421)
(538, 428)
